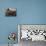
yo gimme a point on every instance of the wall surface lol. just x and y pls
(28, 12)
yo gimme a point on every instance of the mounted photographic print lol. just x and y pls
(10, 12)
(12, 38)
(32, 32)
